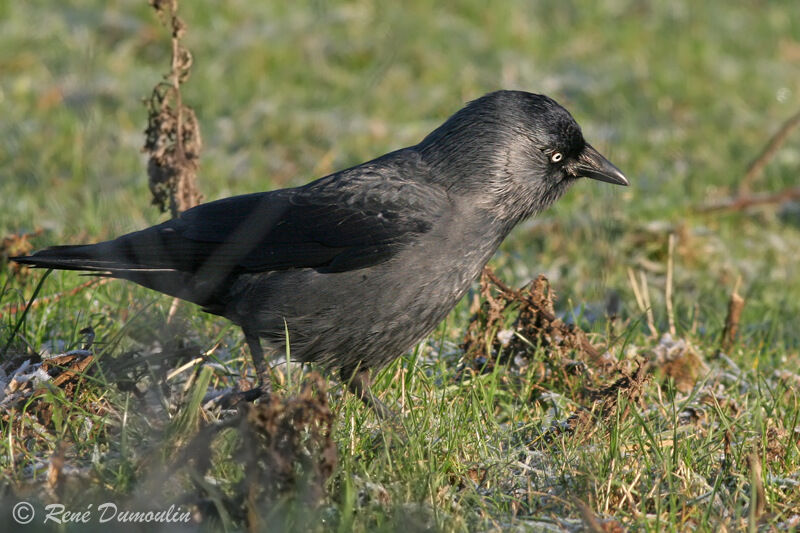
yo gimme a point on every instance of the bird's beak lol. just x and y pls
(591, 164)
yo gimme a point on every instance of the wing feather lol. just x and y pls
(349, 220)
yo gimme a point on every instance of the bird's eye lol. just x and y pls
(556, 157)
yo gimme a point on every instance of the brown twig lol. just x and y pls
(745, 198)
(648, 306)
(668, 289)
(735, 306)
(758, 496)
(767, 153)
(737, 204)
(642, 296)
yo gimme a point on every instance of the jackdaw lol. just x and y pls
(362, 264)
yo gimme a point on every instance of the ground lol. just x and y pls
(682, 96)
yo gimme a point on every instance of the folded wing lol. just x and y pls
(350, 220)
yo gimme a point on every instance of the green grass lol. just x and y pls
(680, 95)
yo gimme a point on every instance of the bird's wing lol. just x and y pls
(346, 221)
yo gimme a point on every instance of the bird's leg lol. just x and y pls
(263, 384)
(358, 382)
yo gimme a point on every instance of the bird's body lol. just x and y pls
(360, 265)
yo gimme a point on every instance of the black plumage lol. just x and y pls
(361, 264)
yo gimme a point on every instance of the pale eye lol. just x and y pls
(556, 157)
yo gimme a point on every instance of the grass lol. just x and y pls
(680, 95)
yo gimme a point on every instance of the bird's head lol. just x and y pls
(523, 149)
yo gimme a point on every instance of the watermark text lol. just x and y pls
(56, 513)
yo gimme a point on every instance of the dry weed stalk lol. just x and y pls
(535, 321)
(668, 288)
(745, 198)
(173, 133)
(735, 306)
(756, 167)
(642, 295)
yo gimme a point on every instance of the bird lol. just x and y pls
(359, 266)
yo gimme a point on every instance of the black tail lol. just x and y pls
(107, 259)
(99, 258)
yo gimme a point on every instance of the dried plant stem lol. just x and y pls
(173, 309)
(744, 197)
(585, 345)
(743, 202)
(173, 133)
(636, 292)
(176, 85)
(735, 306)
(651, 321)
(767, 153)
(641, 293)
(758, 496)
(668, 289)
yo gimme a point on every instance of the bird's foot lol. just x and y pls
(234, 398)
